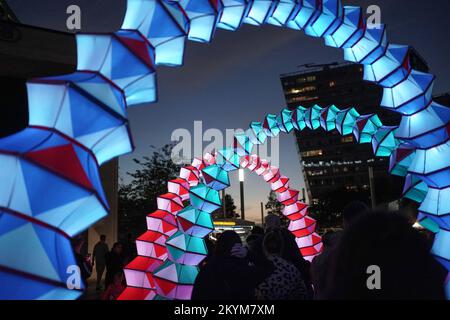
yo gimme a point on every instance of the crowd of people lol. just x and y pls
(268, 265)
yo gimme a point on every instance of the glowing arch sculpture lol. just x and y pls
(186, 249)
(170, 273)
(154, 33)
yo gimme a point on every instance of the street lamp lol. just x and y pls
(241, 183)
(241, 175)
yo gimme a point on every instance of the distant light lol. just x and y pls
(417, 225)
(224, 223)
(241, 175)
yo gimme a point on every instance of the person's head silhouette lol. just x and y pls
(226, 242)
(382, 248)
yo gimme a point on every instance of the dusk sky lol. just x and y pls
(235, 79)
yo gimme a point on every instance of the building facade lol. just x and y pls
(332, 163)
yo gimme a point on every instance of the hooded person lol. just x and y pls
(225, 276)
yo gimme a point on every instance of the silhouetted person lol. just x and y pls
(83, 261)
(227, 277)
(252, 241)
(99, 258)
(255, 234)
(285, 282)
(255, 241)
(320, 265)
(387, 241)
(211, 247)
(255, 244)
(272, 222)
(114, 263)
(290, 253)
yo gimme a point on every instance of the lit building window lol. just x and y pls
(303, 98)
(315, 173)
(347, 139)
(307, 79)
(332, 84)
(302, 90)
(312, 153)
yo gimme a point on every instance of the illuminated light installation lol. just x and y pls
(414, 189)
(183, 247)
(202, 16)
(154, 33)
(172, 274)
(312, 117)
(327, 118)
(50, 190)
(301, 226)
(106, 55)
(164, 25)
(76, 112)
(76, 123)
(345, 120)
(186, 247)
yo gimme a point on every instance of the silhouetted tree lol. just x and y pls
(230, 209)
(273, 206)
(137, 198)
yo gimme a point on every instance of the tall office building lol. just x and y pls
(331, 162)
